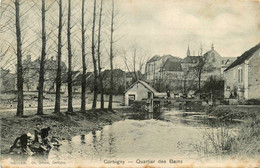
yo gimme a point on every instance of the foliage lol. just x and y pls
(218, 140)
(119, 84)
(140, 105)
(250, 102)
(241, 142)
(234, 112)
(213, 83)
(248, 138)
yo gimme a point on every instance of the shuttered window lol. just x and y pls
(240, 75)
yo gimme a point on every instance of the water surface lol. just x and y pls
(171, 134)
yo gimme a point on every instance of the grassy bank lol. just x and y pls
(245, 142)
(62, 126)
(230, 112)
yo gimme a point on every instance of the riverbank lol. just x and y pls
(246, 142)
(230, 112)
(63, 126)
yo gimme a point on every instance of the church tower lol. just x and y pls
(188, 51)
(212, 46)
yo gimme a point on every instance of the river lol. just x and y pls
(170, 135)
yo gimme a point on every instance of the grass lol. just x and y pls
(241, 141)
(218, 141)
(230, 112)
(248, 139)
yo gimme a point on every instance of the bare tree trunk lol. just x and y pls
(58, 77)
(20, 105)
(70, 107)
(199, 82)
(99, 59)
(110, 107)
(84, 69)
(43, 55)
(135, 73)
(94, 104)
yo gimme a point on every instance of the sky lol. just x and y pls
(159, 27)
(169, 26)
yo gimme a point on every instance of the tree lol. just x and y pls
(99, 59)
(70, 108)
(111, 56)
(215, 86)
(186, 84)
(94, 104)
(135, 62)
(4, 26)
(199, 68)
(20, 105)
(58, 75)
(43, 55)
(202, 66)
(84, 67)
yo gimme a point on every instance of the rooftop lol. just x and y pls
(246, 55)
(171, 65)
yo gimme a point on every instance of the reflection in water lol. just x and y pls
(110, 142)
(101, 138)
(94, 142)
(82, 138)
(145, 116)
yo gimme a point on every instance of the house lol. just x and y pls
(171, 75)
(217, 62)
(140, 90)
(77, 82)
(119, 78)
(162, 71)
(132, 77)
(155, 64)
(31, 74)
(189, 79)
(7, 79)
(242, 77)
(182, 75)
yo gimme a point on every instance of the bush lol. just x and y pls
(250, 102)
(140, 105)
(224, 102)
(234, 112)
(248, 139)
(243, 142)
(219, 141)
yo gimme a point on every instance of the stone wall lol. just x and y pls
(232, 86)
(254, 76)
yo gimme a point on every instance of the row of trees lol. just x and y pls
(46, 32)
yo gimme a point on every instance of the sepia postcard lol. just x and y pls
(130, 83)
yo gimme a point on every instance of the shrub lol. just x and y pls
(219, 140)
(248, 138)
(140, 105)
(251, 102)
(239, 143)
(234, 112)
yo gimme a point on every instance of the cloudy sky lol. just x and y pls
(158, 27)
(169, 26)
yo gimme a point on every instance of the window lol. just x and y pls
(240, 75)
